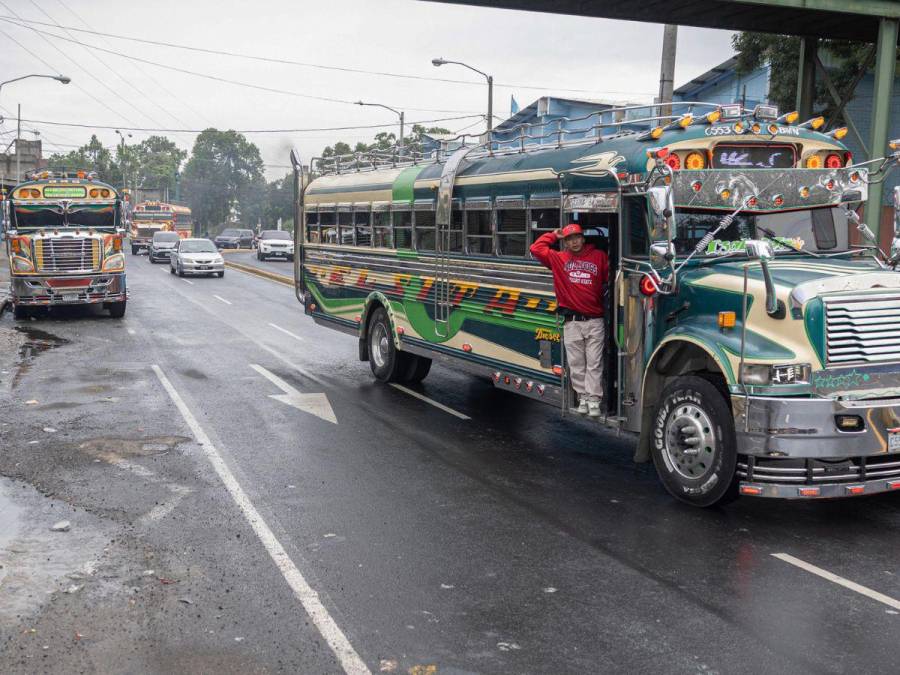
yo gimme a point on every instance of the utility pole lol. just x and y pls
(18, 136)
(667, 68)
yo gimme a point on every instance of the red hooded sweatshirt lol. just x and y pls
(578, 279)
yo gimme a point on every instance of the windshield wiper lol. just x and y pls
(771, 236)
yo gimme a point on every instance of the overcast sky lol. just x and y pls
(610, 60)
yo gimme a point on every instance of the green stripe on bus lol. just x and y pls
(403, 184)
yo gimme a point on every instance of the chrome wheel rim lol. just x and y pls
(379, 345)
(690, 442)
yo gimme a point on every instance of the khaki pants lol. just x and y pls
(584, 356)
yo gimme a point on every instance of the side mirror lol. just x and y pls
(762, 251)
(663, 205)
(662, 253)
(897, 210)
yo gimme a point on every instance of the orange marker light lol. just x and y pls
(808, 491)
(557, 370)
(813, 162)
(727, 319)
(467, 347)
(856, 489)
(804, 192)
(694, 161)
(750, 490)
(117, 244)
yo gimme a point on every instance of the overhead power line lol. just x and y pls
(215, 78)
(390, 124)
(322, 66)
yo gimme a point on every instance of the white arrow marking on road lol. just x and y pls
(314, 404)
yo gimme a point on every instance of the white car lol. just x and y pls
(196, 256)
(275, 243)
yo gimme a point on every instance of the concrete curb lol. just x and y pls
(271, 276)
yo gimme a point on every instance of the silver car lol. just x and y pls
(196, 256)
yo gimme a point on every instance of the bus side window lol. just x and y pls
(511, 232)
(402, 220)
(327, 222)
(312, 225)
(362, 226)
(345, 225)
(425, 230)
(479, 235)
(543, 220)
(381, 229)
(635, 241)
(455, 233)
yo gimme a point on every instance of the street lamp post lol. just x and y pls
(396, 112)
(59, 78)
(122, 152)
(490, 83)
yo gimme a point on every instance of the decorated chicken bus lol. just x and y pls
(753, 324)
(64, 243)
(150, 217)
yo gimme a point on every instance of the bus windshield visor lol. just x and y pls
(824, 230)
(33, 216)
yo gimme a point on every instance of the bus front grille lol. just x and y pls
(862, 329)
(67, 254)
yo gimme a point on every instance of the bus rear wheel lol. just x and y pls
(693, 442)
(21, 312)
(414, 368)
(116, 309)
(384, 359)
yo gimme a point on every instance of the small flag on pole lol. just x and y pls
(513, 105)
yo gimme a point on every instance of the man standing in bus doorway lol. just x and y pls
(580, 273)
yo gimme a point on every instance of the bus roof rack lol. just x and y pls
(639, 119)
(47, 174)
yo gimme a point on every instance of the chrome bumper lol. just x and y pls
(805, 427)
(75, 290)
(213, 268)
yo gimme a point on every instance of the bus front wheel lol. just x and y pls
(414, 367)
(693, 442)
(384, 359)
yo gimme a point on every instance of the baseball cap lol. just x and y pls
(571, 229)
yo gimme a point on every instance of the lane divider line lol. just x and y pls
(218, 297)
(344, 652)
(264, 274)
(286, 332)
(422, 397)
(840, 581)
(188, 281)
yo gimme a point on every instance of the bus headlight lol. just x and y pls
(764, 374)
(22, 264)
(114, 263)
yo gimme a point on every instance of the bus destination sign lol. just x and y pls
(62, 192)
(737, 156)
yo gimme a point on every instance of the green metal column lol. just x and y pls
(806, 77)
(885, 67)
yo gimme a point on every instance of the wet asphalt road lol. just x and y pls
(509, 542)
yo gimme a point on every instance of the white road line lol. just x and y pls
(130, 331)
(187, 281)
(840, 581)
(286, 332)
(217, 297)
(309, 598)
(421, 397)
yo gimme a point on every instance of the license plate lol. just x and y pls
(205, 267)
(70, 297)
(894, 441)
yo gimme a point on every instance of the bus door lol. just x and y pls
(598, 215)
(635, 311)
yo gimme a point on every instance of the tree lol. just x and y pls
(223, 179)
(152, 163)
(782, 53)
(92, 156)
(279, 202)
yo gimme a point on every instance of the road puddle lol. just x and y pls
(31, 343)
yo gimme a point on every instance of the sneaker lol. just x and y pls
(593, 408)
(582, 408)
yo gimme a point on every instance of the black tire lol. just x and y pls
(180, 272)
(220, 274)
(414, 368)
(291, 258)
(384, 359)
(171, 269)
(134, 250)
(259, 255)
(116, 309)
(701, 472)
(21, 313)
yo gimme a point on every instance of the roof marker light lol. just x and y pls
(838, 133)
(712, 117)
(686, 121)
(772, 129)
(789, 118)
(756, 127)
(738, 127)
(815, 123)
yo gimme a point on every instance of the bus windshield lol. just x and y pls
(822, 230)
(77, 215)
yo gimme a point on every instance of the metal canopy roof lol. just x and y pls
(837, 19)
